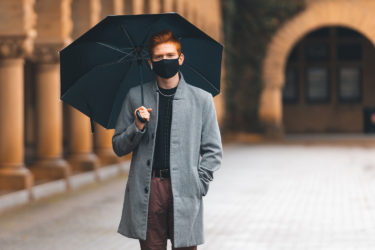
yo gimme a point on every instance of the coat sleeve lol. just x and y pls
(127, 135)
(211, 147)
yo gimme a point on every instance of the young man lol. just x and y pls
(175, 153)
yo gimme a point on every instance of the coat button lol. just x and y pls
(148, 162)
(146, 190)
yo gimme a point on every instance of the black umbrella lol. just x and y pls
(99, 68)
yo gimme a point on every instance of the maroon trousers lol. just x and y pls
(160, 216)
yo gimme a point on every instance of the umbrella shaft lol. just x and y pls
(141, 78)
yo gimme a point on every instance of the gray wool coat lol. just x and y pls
(195, 153)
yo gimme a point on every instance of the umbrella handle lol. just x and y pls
(143, 120)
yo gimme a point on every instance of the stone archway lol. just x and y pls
(318, 14)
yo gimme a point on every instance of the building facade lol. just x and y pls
(42, 138)
(317, 73)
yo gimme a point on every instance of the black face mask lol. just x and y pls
(166, 68)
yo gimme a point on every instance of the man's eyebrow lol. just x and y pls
(168, 53)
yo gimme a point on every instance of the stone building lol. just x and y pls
(42, 138)
(317, 73)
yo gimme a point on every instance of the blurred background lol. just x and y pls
(296, 113)
(41, 137)
(298, 67)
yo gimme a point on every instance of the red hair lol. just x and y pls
(164, 36)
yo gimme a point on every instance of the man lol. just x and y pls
(175, 153)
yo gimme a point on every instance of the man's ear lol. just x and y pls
(149, 62)
(181, 59)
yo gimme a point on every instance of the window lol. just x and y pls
(319, 33)
(290, 91)
(349, 84)
(326, 59)
(348, 52)
(317, 84)
(317, 52)
(343, 32)
(293, 55)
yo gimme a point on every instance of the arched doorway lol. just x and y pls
(329, 83)
(318, 14)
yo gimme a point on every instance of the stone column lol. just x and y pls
(112, 7)
(270, 112)
(103, 145)
(13, 174)
(180, 7)
(80, 155)
(138, 6)
(80, 142)
(128, 7)
(49, 162)
(103, 137)
(167, 6)
(16, 42)
(53, 33)
(154, 7)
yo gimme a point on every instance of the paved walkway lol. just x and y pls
(265, 197)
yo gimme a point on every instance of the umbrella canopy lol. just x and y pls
(99, 68)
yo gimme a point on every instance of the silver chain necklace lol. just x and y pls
(166, 94)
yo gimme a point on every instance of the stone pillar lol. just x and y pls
(270, 112)
(13, 174)
(167, 6)
(138, 6)
(154, 7)
(180, 7)
(103, 137)
(85, 14)
(16, 42)
(49, 162)
(80, 142)
(103, 145)
(53, 33)
(80, 155)
(128, 7)
(112, 7)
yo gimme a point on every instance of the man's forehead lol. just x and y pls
(165, 48)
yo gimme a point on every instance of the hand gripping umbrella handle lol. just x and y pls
(143, 120)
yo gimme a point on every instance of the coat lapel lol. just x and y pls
(179, 91)
(179, 95)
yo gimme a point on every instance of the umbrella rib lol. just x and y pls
(125, 76)
(204, 39)
(144, 53)
(152, 25)
(89, 71)
(129, 54)
(111, 47)
(123, 28)
(133, 58)
(202, 76)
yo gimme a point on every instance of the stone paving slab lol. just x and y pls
(265, 197)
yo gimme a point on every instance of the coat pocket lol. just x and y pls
(197, 182)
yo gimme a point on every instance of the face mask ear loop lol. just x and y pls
(151, 62)
(178, 58)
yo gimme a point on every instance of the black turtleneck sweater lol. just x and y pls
(162, 141)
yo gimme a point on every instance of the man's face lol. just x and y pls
(166, 51)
